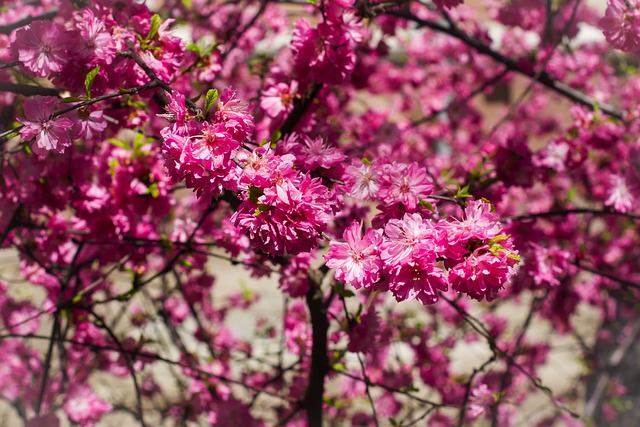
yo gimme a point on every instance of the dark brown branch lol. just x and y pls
(300, 107)
(28, 90)
(319, 360)
(619, 280)
(8, 28)
(129, 362)
(567, 212)
(484, 86)
(543, 77)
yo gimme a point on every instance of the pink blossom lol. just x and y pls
(235, 115)
(94, 43)
(548, 265)
(363, 335)
(621, 24)
(480, 225)
(357, 260)
(409, 238)
(176, 113)
(447, 4)
(418, 279)
(20, 317)
(51, 133)
(405, 183)
(620, 197)
(362, 181)
(83, 406)
(312, 153)
(554, 156)
(288, 217)
(42, 47)
(89, 124)
(480, 401)
(483, 273)
(294, 279)
(277, 100)
(322, 54)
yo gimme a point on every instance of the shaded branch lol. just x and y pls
(8, 28)
(567, 212)
(542, 77)
(28, 90)
(313, 398)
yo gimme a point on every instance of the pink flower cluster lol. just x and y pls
(283, 209)
(325, 54)
(202, 152)
(415, 257)
(621, 24)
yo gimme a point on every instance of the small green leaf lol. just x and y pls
(89, 79)
(210, 99)
(313, 2)
(193, 47)
(187, 3)
(153, 190)
(463, 193)
(341, 291)
(165, 242)
(275, 137)
(155, 24)
(427, 205)
(498, 238)
(262, 208)
(118, 143)
(77, 299)
(255, 193)
(514, 257)
(186, 263)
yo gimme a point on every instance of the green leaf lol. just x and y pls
(118, 143)
(427, 205)
(165, 242)
(255, 193)
(262, 208)
(153, 190)
(210, 99)
(463, 193)
(155, 24)
(193, 47)
(275, 137)
(187, 3)
(185, 263)
(89, 79)
(313, 2)
(341, 291)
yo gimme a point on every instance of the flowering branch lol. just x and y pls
(542, 77)
(566, 212)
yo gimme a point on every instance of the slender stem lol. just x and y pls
(8, 28)
(543, 77)
(566, 212)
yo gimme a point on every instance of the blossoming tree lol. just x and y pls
(340, 147)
